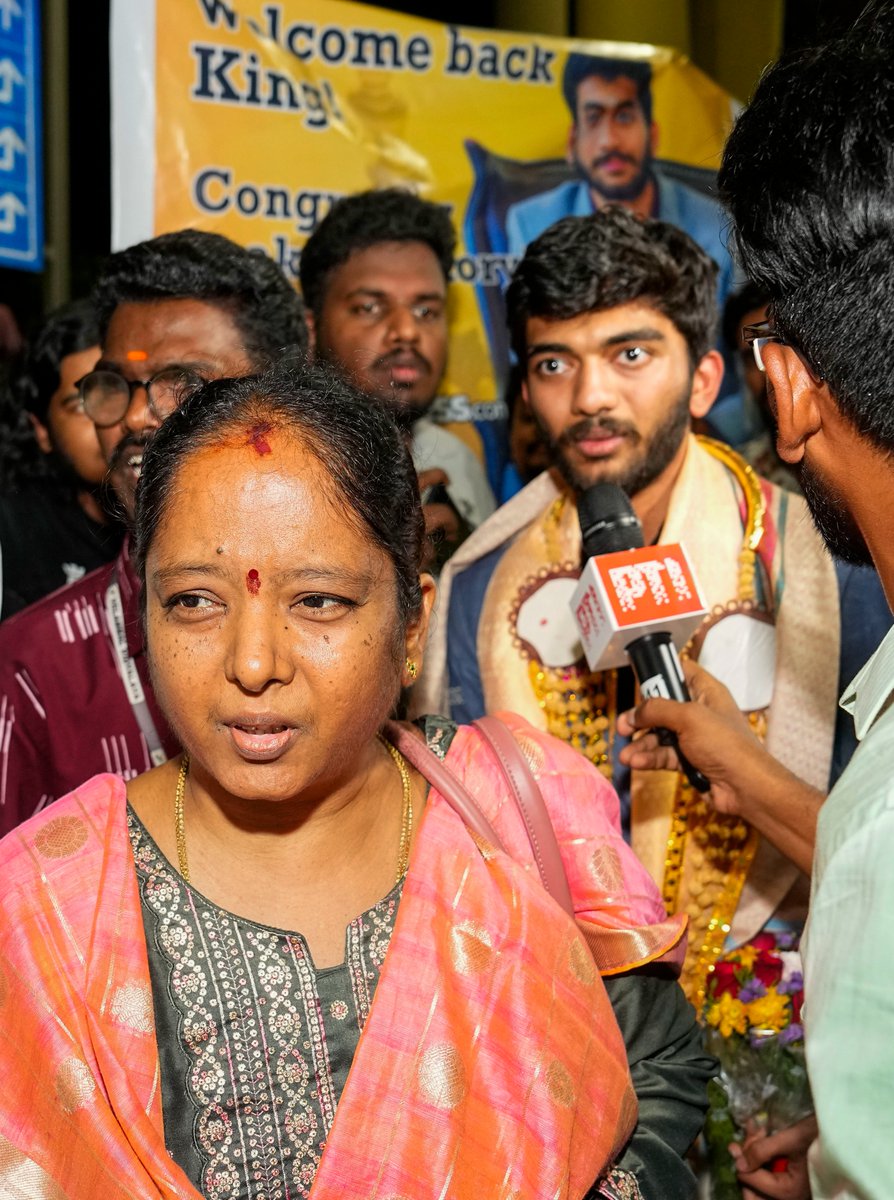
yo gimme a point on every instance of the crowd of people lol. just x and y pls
(329, 866)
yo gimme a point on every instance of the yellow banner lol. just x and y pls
(248, 118)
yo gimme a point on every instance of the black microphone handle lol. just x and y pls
(658, 670)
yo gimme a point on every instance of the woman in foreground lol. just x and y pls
(190, 1002)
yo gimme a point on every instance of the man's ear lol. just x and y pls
(41, 434)
(793, 394)
(311, 330)
(653, 136)
(570, 146)
(706, 380)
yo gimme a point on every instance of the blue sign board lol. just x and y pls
(21, 162)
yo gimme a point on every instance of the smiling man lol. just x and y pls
(75, 697)
(374, 275)
(613, 318)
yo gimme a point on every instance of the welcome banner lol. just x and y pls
(249, 118)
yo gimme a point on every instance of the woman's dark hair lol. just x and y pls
(355, 440)
(589, 264)
(67, 330)
(369, 219)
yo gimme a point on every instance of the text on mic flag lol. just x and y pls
(623, 595)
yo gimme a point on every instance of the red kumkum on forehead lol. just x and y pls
(256, 437)
(253, 582)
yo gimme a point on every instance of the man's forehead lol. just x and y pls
(607, 93)
(391, 268)
(600, 325)
(156, 332)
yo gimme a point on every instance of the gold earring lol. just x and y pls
(412, 669)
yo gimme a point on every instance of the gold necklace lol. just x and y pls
(406, 821)
(179, 830)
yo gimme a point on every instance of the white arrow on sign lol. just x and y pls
(8, 10)
(10, 145)
(11, 207)
(10, 75)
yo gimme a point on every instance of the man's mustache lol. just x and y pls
(602, 427)
(126, 447)
(614, 155)
(407, 357)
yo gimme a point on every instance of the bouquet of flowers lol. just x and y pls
(753, 1013)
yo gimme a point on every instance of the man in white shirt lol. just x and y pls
(808, 175)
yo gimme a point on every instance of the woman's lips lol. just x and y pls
(261, 742)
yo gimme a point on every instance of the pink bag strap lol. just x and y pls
(452, 789)
(522, 785)
(530, 803)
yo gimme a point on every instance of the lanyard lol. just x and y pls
(130, 676)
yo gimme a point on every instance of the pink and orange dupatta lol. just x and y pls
(491, 1064)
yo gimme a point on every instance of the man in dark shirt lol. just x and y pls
(54, 523)
(74, 690)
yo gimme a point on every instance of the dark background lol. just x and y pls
(805, 22)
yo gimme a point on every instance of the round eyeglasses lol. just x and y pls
(106, 395)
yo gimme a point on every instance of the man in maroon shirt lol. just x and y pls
(75, 698)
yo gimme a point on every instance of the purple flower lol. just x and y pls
(752, 990)
(794, 983)
(794, 1033)
(787, 941)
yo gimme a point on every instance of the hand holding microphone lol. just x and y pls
(635, 602)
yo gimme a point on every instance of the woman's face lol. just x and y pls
(272, 620)
(68, 429)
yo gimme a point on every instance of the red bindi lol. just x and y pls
(253, 582)
(257, 438)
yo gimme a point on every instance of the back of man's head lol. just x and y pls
(579, 67)
(808, 175)
(369, 219)
(193, 265)
(589, 264)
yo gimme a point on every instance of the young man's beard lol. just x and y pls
(830, 515)
(621, 193)
(631, 477)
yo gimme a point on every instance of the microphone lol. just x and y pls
(635, 602)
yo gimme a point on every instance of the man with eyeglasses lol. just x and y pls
(75, 697)
(809, 176)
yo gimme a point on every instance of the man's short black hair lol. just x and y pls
(66, 330)
(368, 219)
(579, 67)
(590, 264)
(193, 265)
(748, 298)
(808, 176)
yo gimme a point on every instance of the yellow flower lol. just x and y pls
(770, 1011)
(728, 1015)
(745, 955)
